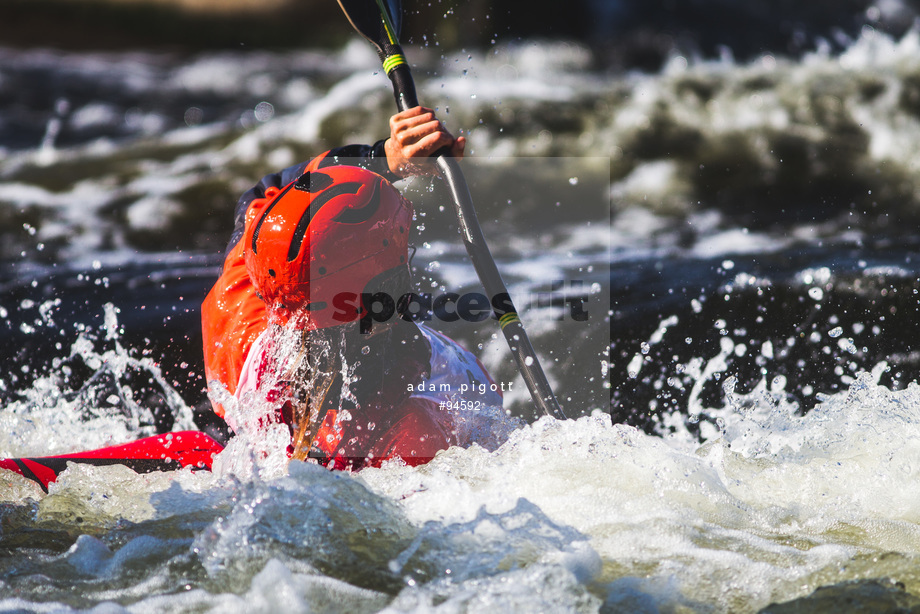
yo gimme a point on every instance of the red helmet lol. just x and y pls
(328, 233)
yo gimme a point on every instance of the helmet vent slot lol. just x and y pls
(356, 216)
(300, 232)
(258, 228)
(311, 181)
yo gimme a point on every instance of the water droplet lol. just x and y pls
(193, 116)
(264, 111)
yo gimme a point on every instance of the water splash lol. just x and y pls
(121, 398)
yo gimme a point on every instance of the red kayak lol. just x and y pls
(160, 453)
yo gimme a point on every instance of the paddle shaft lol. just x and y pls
(478, 250)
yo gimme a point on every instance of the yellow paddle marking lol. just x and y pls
(507, 319)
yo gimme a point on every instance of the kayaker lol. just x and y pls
(283, 332)
(283, 327)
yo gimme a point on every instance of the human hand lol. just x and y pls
(416, 134)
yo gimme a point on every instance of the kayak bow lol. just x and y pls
(167, 452)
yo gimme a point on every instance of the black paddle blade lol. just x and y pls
(379, 21)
